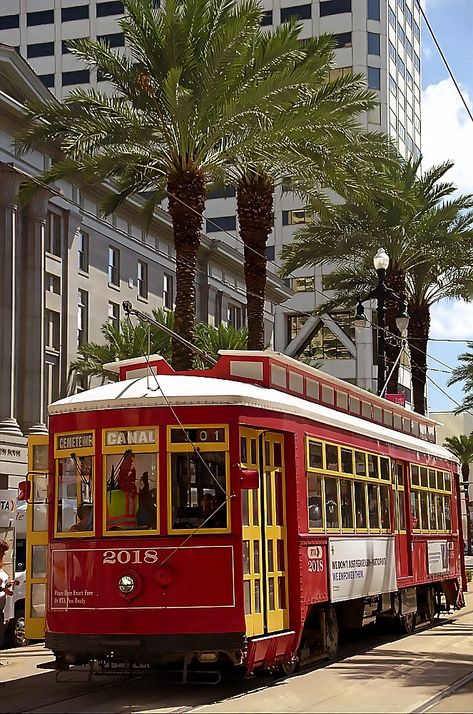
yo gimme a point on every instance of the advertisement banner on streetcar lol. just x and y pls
(361, 567)
(437, 557)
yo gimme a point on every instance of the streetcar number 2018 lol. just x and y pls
(135, 557)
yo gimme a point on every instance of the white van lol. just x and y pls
(13, 529)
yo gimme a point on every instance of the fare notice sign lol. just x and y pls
(361, 567)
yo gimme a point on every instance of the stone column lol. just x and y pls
(31, 317)
(9, 245)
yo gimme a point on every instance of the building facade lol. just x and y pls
(65, 271)
(379, 38)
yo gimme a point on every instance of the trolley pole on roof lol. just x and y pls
(144, 317)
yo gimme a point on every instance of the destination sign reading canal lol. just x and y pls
(75, 441)
(129, 437)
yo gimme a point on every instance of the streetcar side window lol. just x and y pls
(331, 502)
(75, 494)
(131, 491)
(429, 512)
(346, 498)
(315, 501)
(199, 477)
(198, 490)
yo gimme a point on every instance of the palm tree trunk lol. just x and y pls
(255, 212)
(418, 337)
(395, 280)
(186, 193)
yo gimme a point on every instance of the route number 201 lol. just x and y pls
(134, 557)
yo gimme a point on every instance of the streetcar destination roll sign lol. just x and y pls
(361, 567)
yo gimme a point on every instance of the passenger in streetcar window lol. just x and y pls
(146, 514)
(85, 515)
(206, 509)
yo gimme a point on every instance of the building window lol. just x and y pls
(342, 39)
(267, 18)
(374, 43)
(401, 35)
(142, 279)
(83, 252)
(109, 8)
(113, 266)
(374, 114)
(168, 291)
(77, 76)
(374, 78)
(218, 307)
(334, 7)
(392, 51)
(235, 316)
(392, 84)
(47, 80)
(9, 22)
(323, 344)
(114, 314)
(337, 72)
(409, 49)
(82, 317)
(222, 192)
(416, 30)
(270, 252)
(303, 285)
(117, 39)
(79, 12)
(298, 12)
(52, 283)
(41, 49)
(52, 337)
(392, 18)
(220, 223)
(54, 234)
(373, 10)
(416, 62)
(44, 17)
(401, 67)
(296, 217)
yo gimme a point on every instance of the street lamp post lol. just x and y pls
(381, 292)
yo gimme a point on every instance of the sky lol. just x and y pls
(447, 133)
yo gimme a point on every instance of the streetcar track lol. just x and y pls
(252, 685)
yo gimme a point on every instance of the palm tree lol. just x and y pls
(427, 237)
(321, 145)
(462, 447)
(203, 81)
(436, 279)
(464, 373)
(132, 339)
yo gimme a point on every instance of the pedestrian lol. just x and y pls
(6, 588)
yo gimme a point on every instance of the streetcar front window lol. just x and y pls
(75, 494)
(198, 489)
(131, 491)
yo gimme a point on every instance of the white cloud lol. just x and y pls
(447, 132)
(452, 320)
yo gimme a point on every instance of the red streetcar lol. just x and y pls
(241, 515)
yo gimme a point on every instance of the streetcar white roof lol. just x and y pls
(186, 390)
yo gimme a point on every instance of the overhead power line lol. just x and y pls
(444, 59)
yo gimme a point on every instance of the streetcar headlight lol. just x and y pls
(126, 584)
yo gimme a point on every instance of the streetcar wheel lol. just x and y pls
(330, 632)
(407, 623)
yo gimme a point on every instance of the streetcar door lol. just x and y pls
(252, 537)
(401, 519)
(36, 537)
(274, 533)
